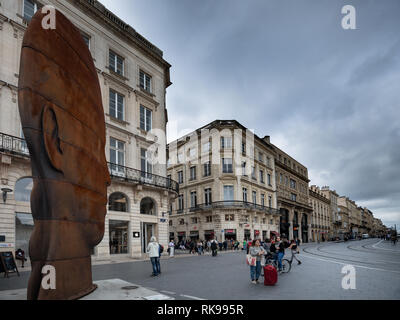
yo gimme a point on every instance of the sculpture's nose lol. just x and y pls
(107, 175)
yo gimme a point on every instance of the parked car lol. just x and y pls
(365, 236)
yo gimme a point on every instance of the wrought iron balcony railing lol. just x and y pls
(13, 145)
(142, 177)
(18, 146)
(234, 204)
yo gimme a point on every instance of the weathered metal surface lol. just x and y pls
(62, 118)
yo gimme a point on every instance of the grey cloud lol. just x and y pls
(287, 69)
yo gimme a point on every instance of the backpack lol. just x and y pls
(161, 248)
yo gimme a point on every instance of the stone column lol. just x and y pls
(291, 214)
(309, 233)
(300, 231)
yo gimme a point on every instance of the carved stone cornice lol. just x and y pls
(17, 27)
(3, 19)
(98, 11)
(109, 77)
(319, 196)
(145, 96)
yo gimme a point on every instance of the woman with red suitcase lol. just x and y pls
(256, 251)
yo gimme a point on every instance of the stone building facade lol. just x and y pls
(227, 184)
(293, 198)
(336, 218)
(133, 77)
(354, 214)
(321, 216)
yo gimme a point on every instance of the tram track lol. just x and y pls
(335, 256)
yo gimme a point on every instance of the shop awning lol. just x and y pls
(24, 219)
(275, 233)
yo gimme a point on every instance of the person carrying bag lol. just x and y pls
(254, 260)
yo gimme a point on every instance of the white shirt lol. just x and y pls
(153, 250)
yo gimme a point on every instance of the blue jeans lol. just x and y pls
(156, 265)
(279, 257)
(255, 271)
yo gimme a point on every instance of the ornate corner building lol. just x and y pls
(236, 185)
(133, 77)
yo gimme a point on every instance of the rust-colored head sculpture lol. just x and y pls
(62, 118)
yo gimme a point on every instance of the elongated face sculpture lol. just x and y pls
(63, 122)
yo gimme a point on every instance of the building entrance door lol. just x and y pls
(148, 232)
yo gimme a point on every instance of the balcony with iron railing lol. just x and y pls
(13, 145)
(127, 174)
(234, 204)
(17, 146)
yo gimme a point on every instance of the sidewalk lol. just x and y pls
(116, 259)
(112, 289)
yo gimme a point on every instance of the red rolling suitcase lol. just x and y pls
(270, 275)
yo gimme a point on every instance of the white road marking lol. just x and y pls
(191, 297)
(380, 248)
(168, 292)
(344, 264)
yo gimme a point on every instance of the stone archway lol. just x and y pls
(148, 206)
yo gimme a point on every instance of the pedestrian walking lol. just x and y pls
(244, 245)
(225, 243)
(171, 247)
(208, 246)
(256, 251)
(199, 248)
(295, 250)
(214, 246)
(220, 245)
(153, 249)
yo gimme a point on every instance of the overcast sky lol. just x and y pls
(327, 96)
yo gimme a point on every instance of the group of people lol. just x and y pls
(270, 249)
(200, 246)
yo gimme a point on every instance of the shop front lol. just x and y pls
(194, 235)
(230, 234)
(148, 230)
(256, 234)
(209, 235)
(181, 236)
(118, 232)
(247, 234)
(264, 235)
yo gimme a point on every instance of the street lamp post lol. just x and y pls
(5, 191)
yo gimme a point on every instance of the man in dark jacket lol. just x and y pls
(214, 247)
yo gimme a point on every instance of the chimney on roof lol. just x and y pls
(267, 139)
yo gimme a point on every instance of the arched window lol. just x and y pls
(148, 206)
(118, 202)
(23, 188)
